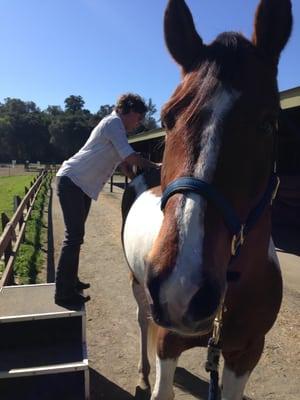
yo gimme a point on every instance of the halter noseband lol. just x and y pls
(238, 229)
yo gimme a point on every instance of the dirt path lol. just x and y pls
(112, 331)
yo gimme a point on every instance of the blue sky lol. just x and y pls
(99, 49)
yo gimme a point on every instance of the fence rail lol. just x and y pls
(113, 180)
(10, 240)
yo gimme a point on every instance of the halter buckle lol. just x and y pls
(274, 194)
(237, 241)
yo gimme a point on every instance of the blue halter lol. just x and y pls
(238, 229)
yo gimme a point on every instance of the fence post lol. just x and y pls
(111, 183)
(8, 250)
(16, 202)
(4, 220)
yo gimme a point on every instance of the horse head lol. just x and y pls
(221, 129)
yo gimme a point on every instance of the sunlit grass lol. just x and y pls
(31, 257)
(11, 186)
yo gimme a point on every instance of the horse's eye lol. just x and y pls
(267, 127)
(168, 121)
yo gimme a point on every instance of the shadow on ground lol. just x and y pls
(191, 384)
(120, 185)
(286, 239)
(103, 389)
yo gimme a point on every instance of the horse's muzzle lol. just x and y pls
(196, 317)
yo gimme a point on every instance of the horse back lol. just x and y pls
(141, 183)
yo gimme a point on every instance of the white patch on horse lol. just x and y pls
(211, 137)
(165, 370)
(233, 386)
(142, 225)
(178, 290)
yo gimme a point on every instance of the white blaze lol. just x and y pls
(183, 283)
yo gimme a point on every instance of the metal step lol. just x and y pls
(39, 338)
(56, 386)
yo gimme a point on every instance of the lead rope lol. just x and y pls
(213, 356)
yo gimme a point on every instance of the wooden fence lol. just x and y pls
(10, 240)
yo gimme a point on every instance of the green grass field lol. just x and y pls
(11, 186)
(30, 256)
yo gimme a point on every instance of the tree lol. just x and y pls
(53, 110)
(104, 111)
(23, 131)
(68, 133)
(16, 106)
(149, 121)
(74, 104)
(6, 145)
(54, 134)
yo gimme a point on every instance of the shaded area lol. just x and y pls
(33, 240)
(50, 241)
(121, 185)
(286, 239)
(190, 383)
(63, 386)
(40, 342)
(102, 388)
(194, 385)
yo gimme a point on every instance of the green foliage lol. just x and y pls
(69, 132)
(54, 110)
(104, 111)
(149, 121)
(23, 131)
(74, 104)
(30, 256)
(27, 133)
(11, 186)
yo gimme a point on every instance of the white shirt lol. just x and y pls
(95, 162)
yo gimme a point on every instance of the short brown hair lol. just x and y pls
(131, 102)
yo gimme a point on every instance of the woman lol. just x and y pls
(81, 178)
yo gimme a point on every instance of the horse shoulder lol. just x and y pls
(141, 226)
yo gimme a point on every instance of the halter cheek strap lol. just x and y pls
(238, 229)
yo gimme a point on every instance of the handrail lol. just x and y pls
(111, 183)
(9, 235)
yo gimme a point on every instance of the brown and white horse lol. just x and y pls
(214, 224)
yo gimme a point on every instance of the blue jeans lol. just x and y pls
(75, 205)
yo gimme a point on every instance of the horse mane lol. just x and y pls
(220, 62)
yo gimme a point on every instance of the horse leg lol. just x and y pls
(165, 370)
(142, 316)
(169, 348)
(237, 369)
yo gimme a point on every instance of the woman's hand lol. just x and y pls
(127, 169)
(141, 162)
(146, 164)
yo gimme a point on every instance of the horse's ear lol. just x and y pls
(272, 27)
(181, 37)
